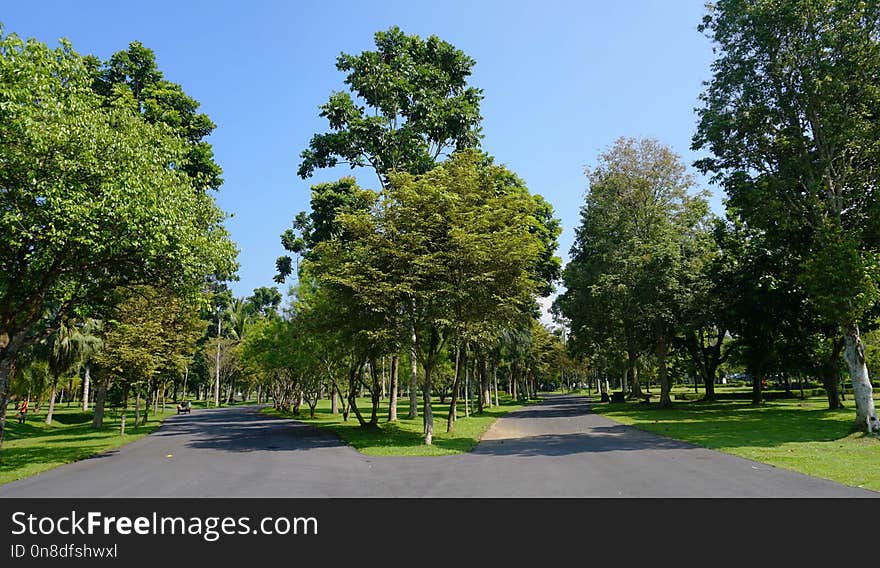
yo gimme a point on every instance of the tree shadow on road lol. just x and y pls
(600, 439)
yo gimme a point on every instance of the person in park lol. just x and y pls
(22, 411)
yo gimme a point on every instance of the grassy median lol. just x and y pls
(405, 437)
(801, 435)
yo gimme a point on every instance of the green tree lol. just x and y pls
(408, 105)
(642, 231)
(790, 120)
(66, 350)
(90, 200)
(417, 106)
(134, 72)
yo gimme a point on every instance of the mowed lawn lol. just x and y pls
(801, 435)
(33, 447)
(405, 437)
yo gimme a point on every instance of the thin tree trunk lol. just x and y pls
(513, 381)
(86, 384)
(217, 368)
(460, 357)
(632, 358)
(392, 402)
(52, 402)
(854, 355)
(100, 399)
(757, 387)
(495, 380)
(467, 391)
(122, 417)
(486, 399)
(665, 399)
(427, 410)
(137, 407)
(384, 391)
(413, 380)
(185, 377)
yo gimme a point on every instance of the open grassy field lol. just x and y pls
(405, 438)
(801, 435)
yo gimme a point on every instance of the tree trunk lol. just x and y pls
(513, 381)
(709, 381)
(100, 399)
(185, 377)
(413, 380)
(375, 394)
(467, 391)
(460, 359)
(757, 387)
(356, 384)
(124, 408)
(217, 369)
(486, 398)
(632, 358)
(7, 369)
(854, 355)
(87, 376)
(334, 399)
(384, 391)
(665, 399)
(427, 410)
(392, 402)
(495, 380)
(137, 407)
(52, 401)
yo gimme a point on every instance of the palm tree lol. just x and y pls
(91, 328)
(66, 349)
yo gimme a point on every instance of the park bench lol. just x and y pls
(184, 407)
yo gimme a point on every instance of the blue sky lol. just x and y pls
(561, 81)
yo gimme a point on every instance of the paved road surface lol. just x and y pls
(556, 449)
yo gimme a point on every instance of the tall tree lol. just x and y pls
(642, 227)
(66, 349)
(408, 105)
(135, 72)
(416, 107)
(89, 200)
(790, 118)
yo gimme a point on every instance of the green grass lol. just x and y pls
(34, 447)
(801, 435)
(405, 437)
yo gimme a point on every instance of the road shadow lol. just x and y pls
(247, 431)
(613, 438)
(554, 406)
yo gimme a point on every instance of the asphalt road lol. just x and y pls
(556, 449)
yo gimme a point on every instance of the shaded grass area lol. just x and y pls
(34, 447)
(801, 435)
(405, 437)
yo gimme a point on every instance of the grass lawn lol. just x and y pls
(802, 435)
(33, 447)
(405, 438)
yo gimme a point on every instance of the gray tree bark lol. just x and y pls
(854, 355)
(392, 402)
(52, 401)
(413, 380)
(86, 383)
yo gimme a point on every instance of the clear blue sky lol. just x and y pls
(561, 81)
